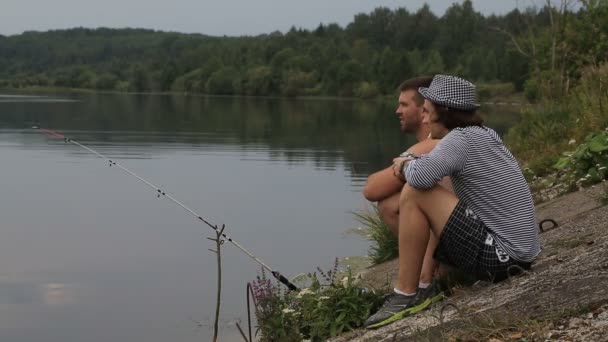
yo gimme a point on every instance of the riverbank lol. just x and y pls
(563, 297)
(492, 94)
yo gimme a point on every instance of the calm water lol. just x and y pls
(87, 253)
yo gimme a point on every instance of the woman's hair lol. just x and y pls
(452, 118)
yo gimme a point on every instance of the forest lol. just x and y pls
(368, 57)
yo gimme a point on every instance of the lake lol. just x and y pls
(89, 253)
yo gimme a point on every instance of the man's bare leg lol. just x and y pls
(389, 213)
(388, 210)
(429, 265)
(422, 212)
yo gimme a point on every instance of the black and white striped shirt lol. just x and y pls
(489, 180)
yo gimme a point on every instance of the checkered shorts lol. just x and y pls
(467, 244)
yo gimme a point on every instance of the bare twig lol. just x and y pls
(218, 251)
(238, 326)
(513, 40)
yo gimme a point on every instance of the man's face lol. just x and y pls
(438, 130)
(408, 112)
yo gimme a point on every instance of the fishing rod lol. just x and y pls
(160, 193)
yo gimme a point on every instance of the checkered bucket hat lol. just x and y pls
(452, 92)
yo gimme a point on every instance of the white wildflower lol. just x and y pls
(304, 291)
(601, 168)
(345, 281)
(572, 142)
(323, 298)
(288, 310)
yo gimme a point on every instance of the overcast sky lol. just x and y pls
(213, 17)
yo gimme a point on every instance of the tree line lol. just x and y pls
(368, 57)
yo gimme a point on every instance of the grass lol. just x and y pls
(384, 245)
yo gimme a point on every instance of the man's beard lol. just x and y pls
(410, 127)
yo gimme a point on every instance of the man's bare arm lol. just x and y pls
(384, 183)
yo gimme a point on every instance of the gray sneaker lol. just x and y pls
(395, 307)
(398, 306)
(433, 294)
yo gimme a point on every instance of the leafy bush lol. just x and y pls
(325, 307)
(531, 90)
(367, 90)
(538, 138)
(588, 164)
(495, 90)
(384, 245)
(543, 131)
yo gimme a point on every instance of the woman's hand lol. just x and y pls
(399, 164)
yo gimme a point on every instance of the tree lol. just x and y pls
(139, 81)
(168, 76)
(434, 63)
(460, 28)
(393, 68)
(258, 81)
(222, 82)
(348, 75)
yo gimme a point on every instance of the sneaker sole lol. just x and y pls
(409, 311)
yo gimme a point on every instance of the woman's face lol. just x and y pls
(438, 130)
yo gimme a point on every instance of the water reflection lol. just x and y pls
(33, 293)
(366, 133)
(55, 294)
(32, 99)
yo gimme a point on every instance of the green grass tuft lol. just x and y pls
(384, 245)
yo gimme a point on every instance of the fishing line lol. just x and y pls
(160, 193)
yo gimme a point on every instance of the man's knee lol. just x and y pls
(409, 194)
(387, 207)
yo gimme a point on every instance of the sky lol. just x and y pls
(212, 17)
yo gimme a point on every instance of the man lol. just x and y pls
(384, 187)
(487, 228)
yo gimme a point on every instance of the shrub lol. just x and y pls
(367, 90)
(325, 307)
(588, 164)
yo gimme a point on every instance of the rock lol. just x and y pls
(516, 336)
(575, 323)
